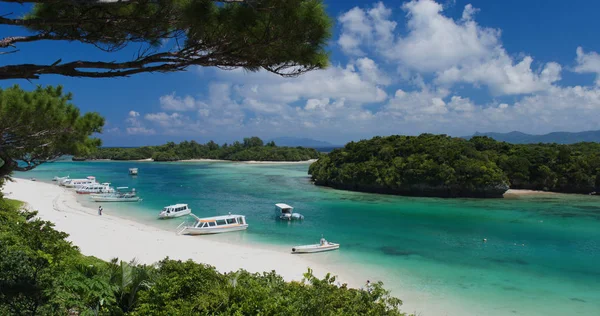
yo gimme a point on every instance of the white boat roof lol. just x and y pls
(283, 205)
(177, 205)
(214, 218)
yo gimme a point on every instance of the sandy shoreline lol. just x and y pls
(109, 236)
(249, 161)
(518, 192)
(218, 160)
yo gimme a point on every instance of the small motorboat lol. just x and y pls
(213, 225)
(133, 171)
(60, 179)
(286, 212)
(173, 211)
(323, 245)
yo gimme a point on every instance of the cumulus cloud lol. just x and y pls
(135, 126)
(171, 102)
(588, 63)
(453, 50)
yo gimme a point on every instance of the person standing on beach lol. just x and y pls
(99, 210)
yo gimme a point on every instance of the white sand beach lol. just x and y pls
(518, 192)
(108, 236)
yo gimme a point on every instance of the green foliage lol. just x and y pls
(438, 165)
(43, 274)
(253, 148)
(42, 125)
(186, 288)
(287, 37)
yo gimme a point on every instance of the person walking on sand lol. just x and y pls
(99, 210)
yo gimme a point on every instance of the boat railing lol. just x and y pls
(182, 227)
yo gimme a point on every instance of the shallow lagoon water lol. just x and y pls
(542, 255)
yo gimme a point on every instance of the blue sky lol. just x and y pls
(397, 67)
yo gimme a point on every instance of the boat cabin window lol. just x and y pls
(221, 222)
(212, 224)
(231, 221)
(240, 220)
(286, 211)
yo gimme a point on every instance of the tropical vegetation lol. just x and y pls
(41, 125)
(285, 37)
(252, 148)
(41, 273)
(439, 165)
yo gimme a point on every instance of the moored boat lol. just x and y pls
(120, 195)
(95, 188)
(323, 245)
(60, 179)
(77, 183)
(173, 211)
(213, 225)
(133, 171)
(284, 211)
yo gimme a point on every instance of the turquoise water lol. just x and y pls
(542, 255)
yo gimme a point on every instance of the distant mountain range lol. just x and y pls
(555, 137)
(304, 142)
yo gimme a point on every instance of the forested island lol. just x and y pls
(251, 149)
(443, 166)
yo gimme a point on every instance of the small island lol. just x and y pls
(251, 149)
(443, 166)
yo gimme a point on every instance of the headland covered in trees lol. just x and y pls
(443, 166)
(252, 148)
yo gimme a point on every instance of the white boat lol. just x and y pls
(120, 195)
(323, 245)
(133, 171)
(60, 179)
(213, 225)
(95, 188)
(284, 211)
(173, 211)
(77, 183)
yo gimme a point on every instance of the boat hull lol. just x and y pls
(212, 230)
(109, 199)
(175, 215)
(315, 248)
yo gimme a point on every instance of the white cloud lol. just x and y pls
(468, 12)
(136, 127)
(170, 102)
(588, 63)
(452, 50)
(140, 131)
(334, 82)
(356, 28)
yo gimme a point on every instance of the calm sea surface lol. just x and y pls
(542, 255)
